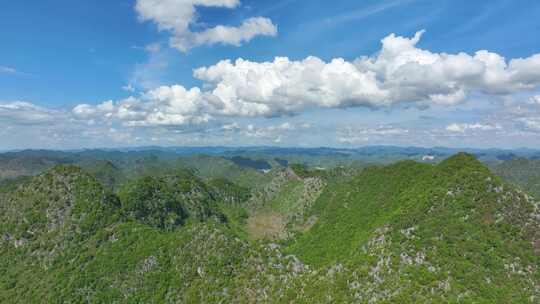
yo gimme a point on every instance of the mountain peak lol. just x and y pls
(460, 161)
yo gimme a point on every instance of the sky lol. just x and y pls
(342, 73)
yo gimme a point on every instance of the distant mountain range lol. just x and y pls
(316, 151)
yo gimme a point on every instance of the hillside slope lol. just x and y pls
(522, 172)
(418, 233)
(404, 233)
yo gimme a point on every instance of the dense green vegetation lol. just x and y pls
(522, 172)
(428, 232)
(155, 230)
(350, 213)
(113, 169)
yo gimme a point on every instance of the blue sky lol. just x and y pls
(127, 73)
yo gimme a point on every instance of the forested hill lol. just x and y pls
(408, 232)
(524, 172)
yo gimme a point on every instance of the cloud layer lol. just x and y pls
(179, 16)
(400, 73)
(462, 127)
(24, 113)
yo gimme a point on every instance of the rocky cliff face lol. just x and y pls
(60, 204)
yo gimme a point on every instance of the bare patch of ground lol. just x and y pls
(266, 225)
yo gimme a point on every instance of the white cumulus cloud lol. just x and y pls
(25, 113)
(164, 106)
(179, 16)
(400, 73)
(462, 127)
(535, 100)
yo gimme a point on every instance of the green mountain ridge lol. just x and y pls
(404, 233)
(522, 172)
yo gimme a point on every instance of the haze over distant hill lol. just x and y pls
(28, 162)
